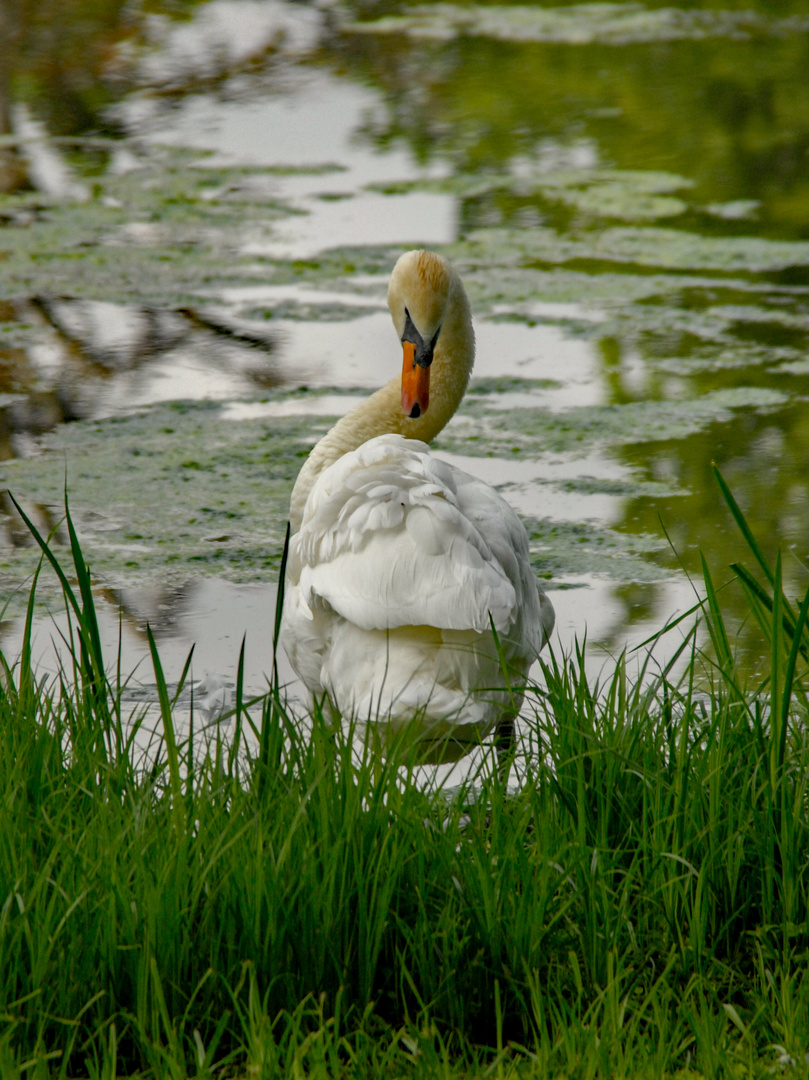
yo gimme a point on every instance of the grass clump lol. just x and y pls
(290, 904)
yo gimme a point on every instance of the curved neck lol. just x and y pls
(382, 414)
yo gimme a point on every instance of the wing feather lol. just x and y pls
(392, 537)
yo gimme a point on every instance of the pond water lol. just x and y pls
(199, 220)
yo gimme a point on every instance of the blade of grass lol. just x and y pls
(761, 603)
(279, 605)
(671, 624)
(26, 693)
(699, 606)
(89, 637)
(271, 715)
(776, 647)
(168, 731)
(49, 556)
(88, 615)
(501, 659)
(789, 676)
(741, 522)
(715, 621)
(237, 733)
(183, 675)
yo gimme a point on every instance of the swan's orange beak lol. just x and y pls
(415, 383)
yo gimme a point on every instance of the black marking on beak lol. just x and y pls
(415, 412)
(424, 349)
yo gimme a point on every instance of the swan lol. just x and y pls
(399, 563)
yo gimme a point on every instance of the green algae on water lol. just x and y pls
(167, 493)
(537, 431)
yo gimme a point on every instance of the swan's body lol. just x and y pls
(399, 564)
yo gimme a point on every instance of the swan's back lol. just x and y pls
(400, 567)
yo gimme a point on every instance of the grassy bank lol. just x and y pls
(289, 907)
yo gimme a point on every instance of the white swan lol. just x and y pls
(399, 563)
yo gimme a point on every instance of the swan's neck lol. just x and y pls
(382, 414)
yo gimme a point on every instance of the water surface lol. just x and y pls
(192, 288)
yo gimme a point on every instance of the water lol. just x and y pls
(625, 191)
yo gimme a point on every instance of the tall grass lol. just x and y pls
(637, 907)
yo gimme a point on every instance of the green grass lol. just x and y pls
(289, 906)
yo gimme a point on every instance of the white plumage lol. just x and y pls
(401, 563)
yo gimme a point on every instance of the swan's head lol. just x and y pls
(418, 296)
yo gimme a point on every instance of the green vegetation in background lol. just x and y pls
(64, 59)
(731, 115)
(288, 904)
